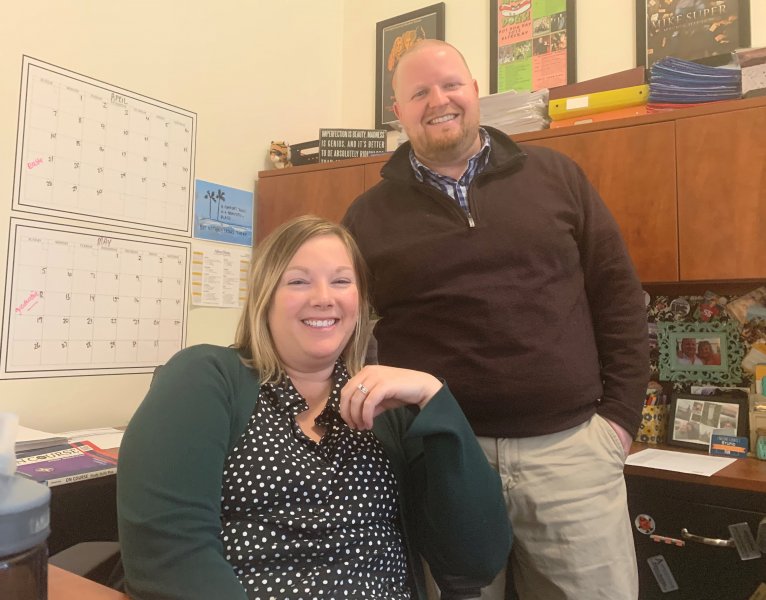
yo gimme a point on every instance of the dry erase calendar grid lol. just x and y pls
(93, 151)
(84, 302)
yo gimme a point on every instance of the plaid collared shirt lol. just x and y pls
(457, 189)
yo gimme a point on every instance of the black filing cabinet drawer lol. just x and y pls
(702, 572)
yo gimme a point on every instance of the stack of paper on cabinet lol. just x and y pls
(515, 112)
(31, 439)
(752, 62)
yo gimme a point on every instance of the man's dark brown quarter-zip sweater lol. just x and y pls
(533, 313)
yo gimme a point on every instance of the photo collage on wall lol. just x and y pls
(703, 352)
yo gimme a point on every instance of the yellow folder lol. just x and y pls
(577, 106)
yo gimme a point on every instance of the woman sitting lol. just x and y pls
(283, 468)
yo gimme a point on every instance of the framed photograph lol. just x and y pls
(531, 44)
(700, 352)
(707, 30)
(393, 37)
(694, 417)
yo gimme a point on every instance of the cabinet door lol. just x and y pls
(633, 168)
(326, 193)
(722, 195)
(702, 572)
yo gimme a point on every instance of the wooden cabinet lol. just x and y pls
(701, 571)
(325, 190)
(705, 506)
(722, 194)
(687, 187)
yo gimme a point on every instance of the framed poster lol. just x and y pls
(393, 37)
(531, 44)
(691, 29)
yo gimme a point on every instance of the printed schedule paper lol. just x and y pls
(219, 275)
(87, 302)
(89, 150)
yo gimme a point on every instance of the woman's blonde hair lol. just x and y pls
(270, 260)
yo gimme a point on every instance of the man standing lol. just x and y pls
(501, 269)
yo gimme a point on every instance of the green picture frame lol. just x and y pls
(696, 352)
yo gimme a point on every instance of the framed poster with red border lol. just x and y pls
(702, 30)
(531, 44)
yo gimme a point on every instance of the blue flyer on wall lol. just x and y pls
(223, 214)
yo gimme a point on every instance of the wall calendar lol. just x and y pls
(81, 301)
(91, 151)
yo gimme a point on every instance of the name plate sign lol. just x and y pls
(340, 144)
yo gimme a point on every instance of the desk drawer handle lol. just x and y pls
(706, 540)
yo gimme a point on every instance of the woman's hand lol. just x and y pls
(377, 388)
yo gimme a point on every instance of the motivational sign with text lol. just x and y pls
(339, 144)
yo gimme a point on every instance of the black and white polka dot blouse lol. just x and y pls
(305, 519)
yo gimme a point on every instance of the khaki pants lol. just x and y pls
(568, 507)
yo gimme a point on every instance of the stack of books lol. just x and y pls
(515, 112)
(614, 96)
(677, 83)
(56, 459)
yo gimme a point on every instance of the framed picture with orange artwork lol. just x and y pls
(393, 37)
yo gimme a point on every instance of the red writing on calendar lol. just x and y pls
(35, 163)
(29, 303)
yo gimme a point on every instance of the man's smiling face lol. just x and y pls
(437, 103)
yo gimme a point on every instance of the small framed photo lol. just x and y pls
(694, 417)
(393, 37)
(707, 30)
(700, 352)
(531, 44)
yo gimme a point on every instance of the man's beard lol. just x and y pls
(445, 148)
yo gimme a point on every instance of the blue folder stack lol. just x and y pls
(677, 81)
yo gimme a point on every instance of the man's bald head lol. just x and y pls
(418, 47)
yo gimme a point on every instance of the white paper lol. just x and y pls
(32, 439)
(219, 275)
(26, 434)
(680, 462)
(104, 437)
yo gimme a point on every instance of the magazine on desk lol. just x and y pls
(66, 463)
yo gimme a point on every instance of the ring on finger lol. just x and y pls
(363, 389)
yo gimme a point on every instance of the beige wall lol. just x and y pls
(253, 71)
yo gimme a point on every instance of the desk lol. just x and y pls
(86, 511)
(745, 474)
(705, 506)
(63, 585)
